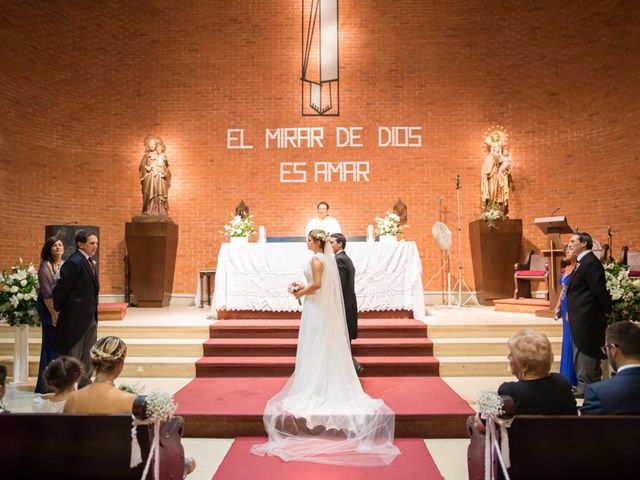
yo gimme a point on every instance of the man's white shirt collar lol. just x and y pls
(582, 254)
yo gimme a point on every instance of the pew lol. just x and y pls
(565, 447)
(52, 446)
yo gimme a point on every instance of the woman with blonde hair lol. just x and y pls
(537, 391)
(102, 396)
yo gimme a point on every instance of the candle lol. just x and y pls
(370, 237)
(262, 234)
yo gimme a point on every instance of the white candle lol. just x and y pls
(262, 234)
(370, 237)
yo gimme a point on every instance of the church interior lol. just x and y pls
(450, 140)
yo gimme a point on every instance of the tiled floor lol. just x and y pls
(449, 454)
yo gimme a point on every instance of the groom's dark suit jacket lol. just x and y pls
(619, 395)
(75, 296)
(347, 279)
(588, 302)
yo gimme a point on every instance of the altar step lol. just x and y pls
(366, 347)
(283, 366)
(520, 305)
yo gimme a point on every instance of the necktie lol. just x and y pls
(91, 266)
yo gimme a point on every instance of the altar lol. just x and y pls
(255, 276)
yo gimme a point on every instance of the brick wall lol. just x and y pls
(84, 82)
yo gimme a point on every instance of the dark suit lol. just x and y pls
(347, 279)
(588, 302)
(75, 296)
(620, 395)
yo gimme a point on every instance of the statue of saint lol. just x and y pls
(496, 173)
(155, 177)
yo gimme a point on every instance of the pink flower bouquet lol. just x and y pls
(294, 287)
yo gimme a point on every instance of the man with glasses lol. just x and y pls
(619, 395)
(588, 303)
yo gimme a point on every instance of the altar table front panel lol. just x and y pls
(255, 276)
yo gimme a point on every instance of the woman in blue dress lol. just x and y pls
(566, 356)
(48, 275)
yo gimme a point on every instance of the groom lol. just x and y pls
(347, 279)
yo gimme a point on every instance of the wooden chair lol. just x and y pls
(601, 251)
(535, 268)
(632, 260)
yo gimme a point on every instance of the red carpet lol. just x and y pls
(227, 407)
(239, 464)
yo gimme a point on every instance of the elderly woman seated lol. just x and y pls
(537, 391)
(102, 396)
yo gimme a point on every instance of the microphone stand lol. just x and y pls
(460, 283)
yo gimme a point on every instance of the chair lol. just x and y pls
(535, 268)
(632, 260)
(600, 251)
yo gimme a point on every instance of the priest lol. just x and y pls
(323, 221)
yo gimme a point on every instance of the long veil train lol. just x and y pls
(322, 414)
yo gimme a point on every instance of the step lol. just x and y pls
(549, 328)
(487, 366)
(136, 347)
(180, 367)
(447, 347)
(284, 366)
(367, 328)
(520, 305)
(256, 347)
(117, 329)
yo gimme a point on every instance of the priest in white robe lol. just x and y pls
(323, 221)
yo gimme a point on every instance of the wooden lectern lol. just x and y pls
(553, 227)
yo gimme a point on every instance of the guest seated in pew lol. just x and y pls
(3, 379)
(61, 376)
(620, 395)
(537, 391)
(102, 396)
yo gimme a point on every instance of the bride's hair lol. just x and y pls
(108, 353)
(318, 235)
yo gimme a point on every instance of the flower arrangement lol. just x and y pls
(492, 215)
(490, 404)
(136, 389)
(160, 406)
(625, 293)
(294, 287)
(18, 294)
(389, 225)
(240, 227)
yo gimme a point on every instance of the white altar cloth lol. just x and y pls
(255, 276)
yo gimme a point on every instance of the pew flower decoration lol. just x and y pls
(18, 294)
(240, 226)
(625, 293)
(160, 406)
(389, 225)
(490, 404)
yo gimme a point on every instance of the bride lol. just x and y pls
(322, 414)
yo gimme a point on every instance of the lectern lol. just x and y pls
(553, 227)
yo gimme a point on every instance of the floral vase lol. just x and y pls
(21, 354)
(388, 238)
(239, 239)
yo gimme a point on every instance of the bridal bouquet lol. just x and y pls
(389, 225)
(18, 294)
(295, 287)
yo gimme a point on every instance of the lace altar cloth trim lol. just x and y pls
(255, 276)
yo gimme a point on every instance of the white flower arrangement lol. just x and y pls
(18, 295)
(160, 406)
(389, 225)
(491, 215)
(136, 389)
(240, 227)
(625, 293)
(490, 404)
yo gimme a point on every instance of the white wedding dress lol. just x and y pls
(322, 414)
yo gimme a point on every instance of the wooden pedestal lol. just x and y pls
(152, 243)
(494, 251)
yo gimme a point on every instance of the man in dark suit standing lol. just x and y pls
(347, 279)
(75, 297)
(588, 303)
(620, 395)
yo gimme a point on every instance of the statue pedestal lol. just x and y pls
(494, 251)
(152, 244)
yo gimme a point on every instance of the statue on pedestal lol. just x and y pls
(496, 172)
(155, 178)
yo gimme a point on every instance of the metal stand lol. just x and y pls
(445, 265)
(460, 283)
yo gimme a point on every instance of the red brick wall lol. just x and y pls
(83, 82)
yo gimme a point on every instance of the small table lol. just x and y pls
(206, 275)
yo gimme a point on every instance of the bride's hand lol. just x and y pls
(298, 294)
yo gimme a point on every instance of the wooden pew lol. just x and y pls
(566, 447)
(52, 446)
